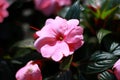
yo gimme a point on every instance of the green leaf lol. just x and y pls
(65, 65)
(101, 34)
(115, 48)
(106, 76)
(108, 4)
(100, 61)
(74, 11)
(27, 43)
(21, 52)
(105, 14)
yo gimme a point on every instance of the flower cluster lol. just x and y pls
(60, 39)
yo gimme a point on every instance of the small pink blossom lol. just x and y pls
(59, 38)
(49, 7)
(30, 71)
(3, 9)
(116, 69)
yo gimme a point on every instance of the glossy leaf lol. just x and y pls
(101, 34)
(100, 61)
(74, 11)
(106, 76)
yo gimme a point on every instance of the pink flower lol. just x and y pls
(59, 38)
(3, 9)
(116, 69)
(30, 71)
(50, 6)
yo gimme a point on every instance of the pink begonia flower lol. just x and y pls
(116, 69)
(30, 71)
(59, 38)
(49, 7)
(3, 9)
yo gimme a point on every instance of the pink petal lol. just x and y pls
(48, 21)
(116, 69)
(49, 47)
(54, 27)
(4, 13)
(41, 45)
(64, 2)
(73, 22)
(74, 35)
(75, 38)
(6, 5)
(61, 49)
(1, 19)
(59, 25)
(117, 63)
(46, 6)
(46, 31)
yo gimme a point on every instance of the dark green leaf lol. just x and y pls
(106, 42)
(106, 76)
(27, 43)
(74, 11)
(21, 52)
(108, 4)
(65, 75)
(101, 34)
(100, 61)
(65, 65)
(6, 72)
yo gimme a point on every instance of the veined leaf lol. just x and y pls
(100, 61)
(115, 48)
(106, 76)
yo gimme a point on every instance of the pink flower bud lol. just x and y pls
(30, 71)
(116, 69)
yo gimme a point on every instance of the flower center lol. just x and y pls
(60, 38)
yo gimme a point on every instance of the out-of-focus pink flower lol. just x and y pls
(3, 9)
(49, 7)
(116, 69)
(59, 38)
(30, 71)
